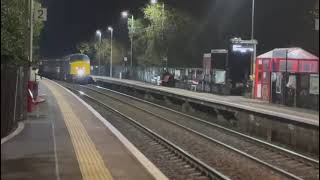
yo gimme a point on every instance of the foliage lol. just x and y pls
(160, 34)
(84, 47)
(102, 50)
(14, 31)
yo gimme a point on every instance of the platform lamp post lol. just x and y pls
(98, 33)
(254, 54)
(111, 31)
(125, 14)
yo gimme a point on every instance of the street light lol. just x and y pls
(125, 14)
(153, 2)
(98, 33)
(254, 54)
(111, 31)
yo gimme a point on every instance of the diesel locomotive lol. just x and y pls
(71, 68)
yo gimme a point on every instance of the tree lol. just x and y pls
(97, 50)
(160, 33)
(14, 31)
(84, 48)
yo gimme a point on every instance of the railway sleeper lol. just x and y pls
(181, 163)
(196, 174)
(189, 170)
(201, 178)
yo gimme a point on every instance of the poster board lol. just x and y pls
(314, 84)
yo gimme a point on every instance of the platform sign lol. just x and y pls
(242, 48)
(41, 14)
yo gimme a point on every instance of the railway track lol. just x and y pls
(190, 166)
(285, 162)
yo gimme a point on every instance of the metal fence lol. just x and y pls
(13, 96)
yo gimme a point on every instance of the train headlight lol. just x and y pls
(80, 72)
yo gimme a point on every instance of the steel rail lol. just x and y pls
(195, 162)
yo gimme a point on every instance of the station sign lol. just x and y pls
(40, 14)
(243, 48)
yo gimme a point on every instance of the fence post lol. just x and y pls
(15, 96)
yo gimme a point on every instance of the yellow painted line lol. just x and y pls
(91, 164)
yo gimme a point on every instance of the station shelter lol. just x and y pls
(288, 76)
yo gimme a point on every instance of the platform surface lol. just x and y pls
(296, 114)
(63, 140)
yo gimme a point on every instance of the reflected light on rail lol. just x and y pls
(82, 93)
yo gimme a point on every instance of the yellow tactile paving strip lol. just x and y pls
(91, 164)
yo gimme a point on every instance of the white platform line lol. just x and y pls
(150, 167)
(55, 151)
(14, 133)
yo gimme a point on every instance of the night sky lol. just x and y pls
(278, 23)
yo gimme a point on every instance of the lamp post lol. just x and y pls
(125, 14)
(98, 33)
(254, 54)
(111, 31)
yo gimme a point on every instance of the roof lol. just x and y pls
(293, 53)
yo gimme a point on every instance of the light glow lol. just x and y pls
(124, 14)
(241, 49)
(98, 33)
(154, 2)
(80, 72)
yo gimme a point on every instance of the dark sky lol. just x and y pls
(279, 23)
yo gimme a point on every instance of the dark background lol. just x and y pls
(278, 23)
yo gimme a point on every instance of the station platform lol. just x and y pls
(300, 115)
(65, 139)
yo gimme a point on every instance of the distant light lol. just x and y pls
(154, 2)
(98, 32)
(124, 14)
(110, 28)
(241, 48)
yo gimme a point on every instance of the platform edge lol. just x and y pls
(146, 163)
(17, 131)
